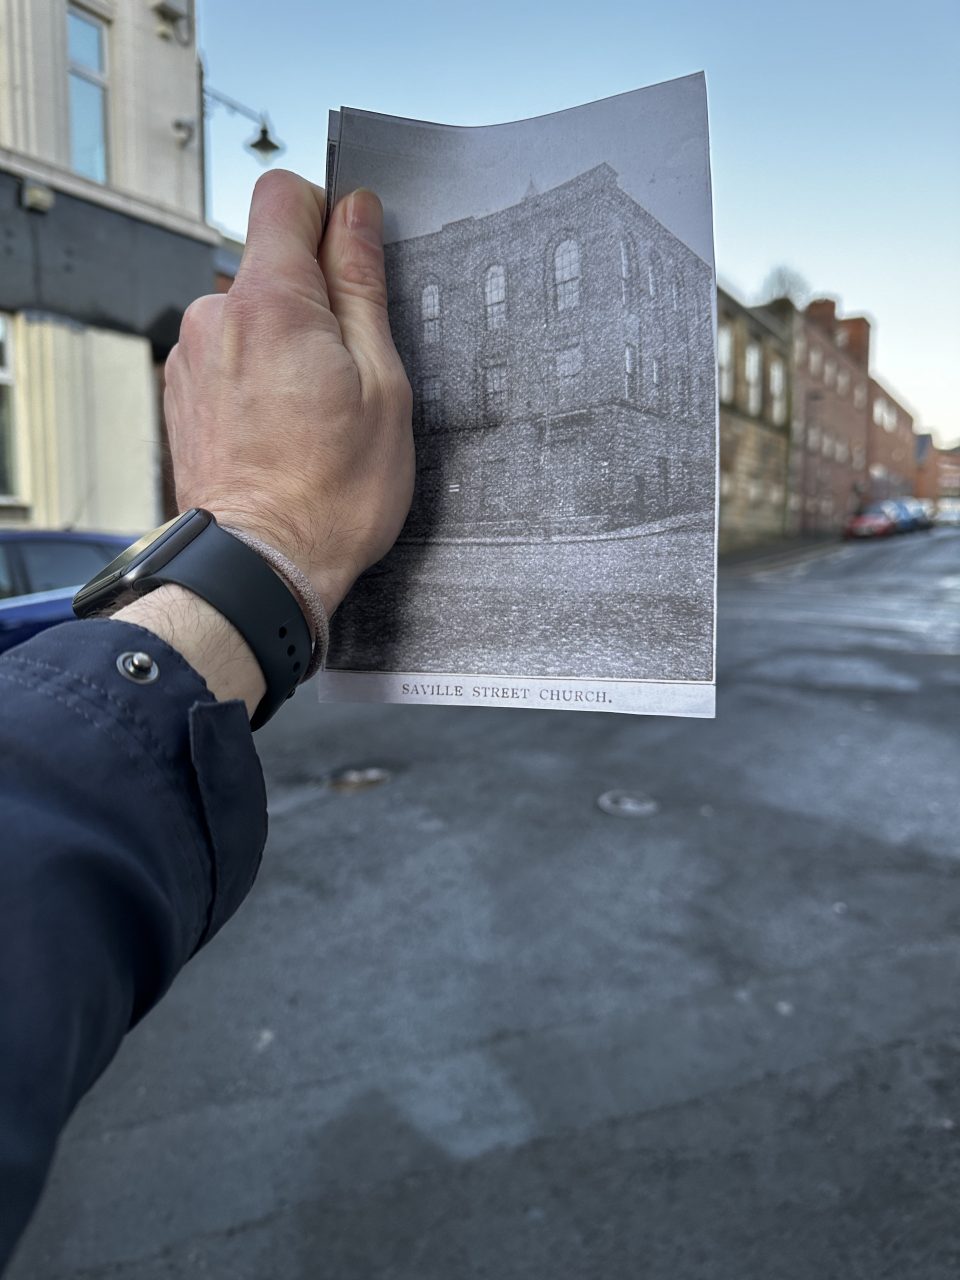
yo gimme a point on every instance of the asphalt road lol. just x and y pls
(469, 1025)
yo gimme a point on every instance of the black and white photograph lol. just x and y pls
(551, 287)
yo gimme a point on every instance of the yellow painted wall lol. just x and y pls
(86, 436)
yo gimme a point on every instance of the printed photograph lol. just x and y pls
(561, 353)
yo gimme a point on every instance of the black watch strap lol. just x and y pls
(242, 586)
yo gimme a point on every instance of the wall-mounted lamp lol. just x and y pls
(186, 131)
(263, 144)
(173, 20)
(36, 196)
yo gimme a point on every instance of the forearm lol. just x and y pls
(133, 821)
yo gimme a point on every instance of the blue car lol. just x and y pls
(40, 571)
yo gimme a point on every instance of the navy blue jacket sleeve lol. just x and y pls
(132, 820)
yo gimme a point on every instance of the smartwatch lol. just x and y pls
(194, 552)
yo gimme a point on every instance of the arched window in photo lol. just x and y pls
(430, 313)
(495, 297)
(566, 275)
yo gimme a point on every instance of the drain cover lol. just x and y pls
(357, 779)
(627, 804)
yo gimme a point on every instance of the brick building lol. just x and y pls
(547, 334)
(927, 468)
(891, 445)
(937, 471)
(828, 477)
(948, 473)
(753, 360)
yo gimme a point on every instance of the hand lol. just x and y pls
(287, 407)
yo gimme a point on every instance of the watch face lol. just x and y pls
(169, 537)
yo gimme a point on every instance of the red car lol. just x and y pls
(875, 522)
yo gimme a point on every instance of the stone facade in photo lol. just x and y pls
(562, 360)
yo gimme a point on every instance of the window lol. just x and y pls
(860, 395)
(630, 371)
(830, 372)
(495, 297)
(6, 412)
(7, 588)
(725, 361)
(60, 562)
(430, 313)
(816, 361)
(566, 275)
(627, 272)
(778, 391)
(843, 382)
(430, 402)
(655, 366)
(495, 389)
(675, 290)
(884, 414)
(753, 371)
(569, 362)
(652, 280)
(86, 49)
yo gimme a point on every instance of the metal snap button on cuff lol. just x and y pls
(138, 667)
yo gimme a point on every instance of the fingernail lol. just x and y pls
(364, 214)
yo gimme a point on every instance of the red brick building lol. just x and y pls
(891, 445)
(938, 471)
(828, 466)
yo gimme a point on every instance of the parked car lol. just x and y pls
(878, 521)
(918, 510)
(948, 513)
(40, 571)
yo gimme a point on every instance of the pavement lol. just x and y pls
(468, 1024)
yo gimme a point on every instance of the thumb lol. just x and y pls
(351, 258)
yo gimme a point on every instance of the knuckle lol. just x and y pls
(198, 316)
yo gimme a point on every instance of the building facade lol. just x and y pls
(937, 471)
(563, 379)
(891, 445)
(827, 476)
(753, 380)
(103, 244)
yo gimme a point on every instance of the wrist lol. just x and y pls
(329, 576)
(204, 637)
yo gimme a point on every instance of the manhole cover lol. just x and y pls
(627, 804)
(357, 779)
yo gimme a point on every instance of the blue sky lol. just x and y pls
(835, 128)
